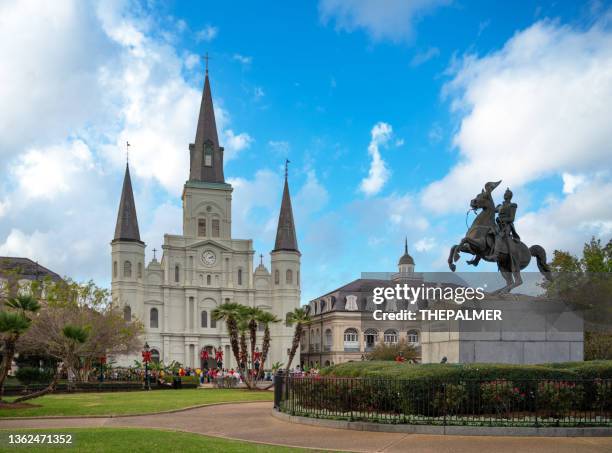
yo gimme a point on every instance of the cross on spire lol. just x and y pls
(154, 251)
(287, 162)
(127, 152)
(261, 259)
(206, 58)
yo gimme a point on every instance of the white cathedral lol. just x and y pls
(204, 267)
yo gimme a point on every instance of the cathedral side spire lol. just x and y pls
(286, 238)
(127, 222)
(206, 156)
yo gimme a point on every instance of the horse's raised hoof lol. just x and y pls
(471, 262)
(452, 267)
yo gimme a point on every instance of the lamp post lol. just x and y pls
(146, 358)
(102, 363)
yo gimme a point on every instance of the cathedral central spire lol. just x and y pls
(286, 238)
(206, 156)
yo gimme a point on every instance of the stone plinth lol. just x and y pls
(531, 331)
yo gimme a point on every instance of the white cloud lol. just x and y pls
(425, 244)
(234, 143)
(568, 223)
(47, 173)
(571, 182)
(378, 173)
(67, 113)
(279, 146)
(392, 20)
(312, 197)
(539, 106)
(207, 34)
(423, 57)
(243, 59)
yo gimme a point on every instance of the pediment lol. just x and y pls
(209, 242)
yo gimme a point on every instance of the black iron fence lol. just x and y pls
(528, 402)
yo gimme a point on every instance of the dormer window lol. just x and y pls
(208, 155)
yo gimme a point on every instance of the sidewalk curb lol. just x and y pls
(449, 430)
(142, 414)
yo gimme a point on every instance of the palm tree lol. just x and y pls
(251, 314)
(76, 337)
(243, 326)
(230, 312)
(13, 324)
(300, 318)
(266, 318)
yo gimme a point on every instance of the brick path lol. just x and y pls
(253, 422)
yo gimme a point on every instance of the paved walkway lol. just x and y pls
(253, 422)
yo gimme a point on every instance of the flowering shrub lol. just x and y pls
(500, 396)
(603, 394)
(558, 397)
(450, 398)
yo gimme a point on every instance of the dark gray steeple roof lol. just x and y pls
(286, 238)
(127, 222)
(406, 258)
(206, 140)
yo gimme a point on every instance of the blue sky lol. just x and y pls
(393, 118)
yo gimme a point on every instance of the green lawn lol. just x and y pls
(133, 440)
(115, 403)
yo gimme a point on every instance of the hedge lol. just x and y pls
(480, 371)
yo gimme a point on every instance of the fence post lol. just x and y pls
(279, 378)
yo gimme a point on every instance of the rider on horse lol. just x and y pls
(506, 212)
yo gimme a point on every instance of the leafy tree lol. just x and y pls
(384, 351)
(299, 317)
(586, 284)
(70, 310)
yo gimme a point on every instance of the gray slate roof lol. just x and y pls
(286, 238)
(26, 268)
(127, 222)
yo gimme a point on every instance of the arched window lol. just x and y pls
(139, 270)
(261, 326)
(303, 341)
(289, 276)
(127, 269)
(208, 279)
(351, 340)
(127, 313)
(215, 228)
(204, 319)
(213, 323)
(413, 337)
(371, 337)
(390, 336)
(177, 273)
(154, 318)
(240, 276)
(115, 271)
(208, 155)
(328, 340)
(297, 280)
(276, 277)
(287, 319)
(201, 227)
(155, 356)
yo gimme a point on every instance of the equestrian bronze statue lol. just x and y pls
(495, 240)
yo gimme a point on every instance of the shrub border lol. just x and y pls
(448, 430)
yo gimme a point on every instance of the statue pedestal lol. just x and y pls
(531, 331)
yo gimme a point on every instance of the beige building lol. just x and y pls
(203, 267)
(343, 327)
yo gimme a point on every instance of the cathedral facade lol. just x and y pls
(204, 266)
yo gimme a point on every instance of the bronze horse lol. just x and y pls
(480, 241)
